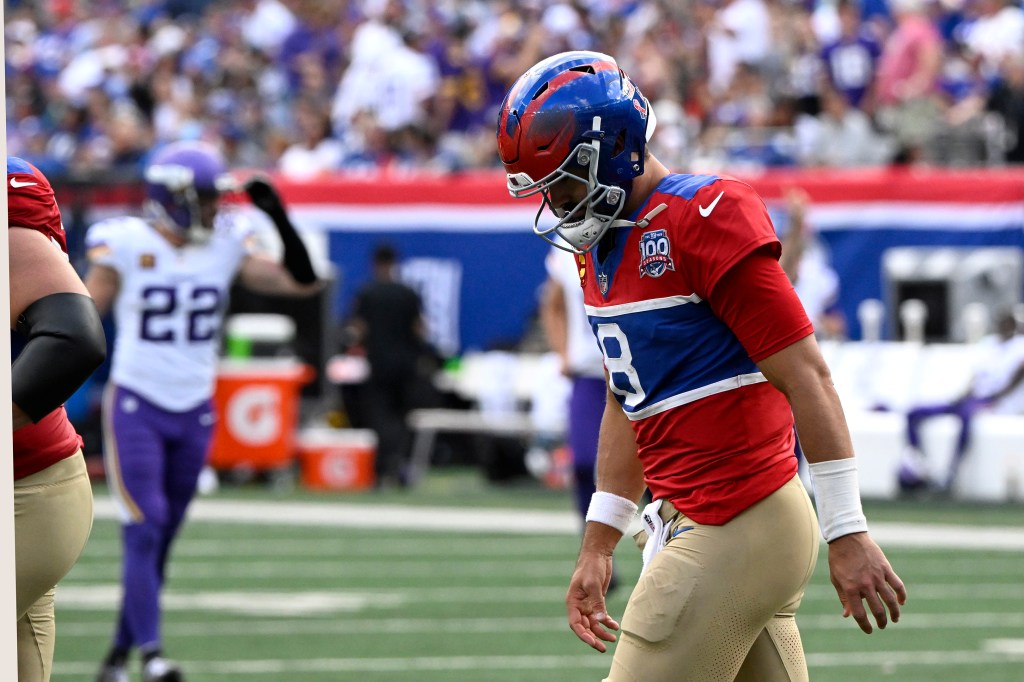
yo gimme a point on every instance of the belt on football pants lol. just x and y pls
(667, 511)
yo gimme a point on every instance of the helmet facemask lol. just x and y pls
(582, 227)
(579, 110)
(183, 200)
(183, 215)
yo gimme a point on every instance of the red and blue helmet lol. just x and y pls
(180, 178)
(575, 116)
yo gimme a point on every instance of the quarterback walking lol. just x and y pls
(711, 362)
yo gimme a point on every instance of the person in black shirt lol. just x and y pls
(388, 322)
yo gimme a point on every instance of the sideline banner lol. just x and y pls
(466, 227)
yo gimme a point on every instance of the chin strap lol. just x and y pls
(643, 222)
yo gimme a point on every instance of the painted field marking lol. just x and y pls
(340, 569)
(77, 597)
(247, 627)
(525, 521)
(860, 659)
(1012, 647)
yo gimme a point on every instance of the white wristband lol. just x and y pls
(837, 496)
(611, 510)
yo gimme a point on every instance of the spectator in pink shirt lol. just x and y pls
(907, 80)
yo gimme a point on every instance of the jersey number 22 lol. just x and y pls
(161, 304)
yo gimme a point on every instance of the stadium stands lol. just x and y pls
(311, 86)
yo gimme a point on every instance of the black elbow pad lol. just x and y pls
(65, 344)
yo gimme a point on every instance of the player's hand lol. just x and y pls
(584, 603)
(861, 573)
(263, 195)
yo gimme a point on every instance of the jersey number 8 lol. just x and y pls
(620, 365)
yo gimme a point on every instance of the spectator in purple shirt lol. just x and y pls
(850, 61)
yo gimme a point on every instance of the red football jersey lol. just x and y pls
(31, 205)
(713, 435)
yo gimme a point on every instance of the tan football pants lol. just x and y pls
(717, 604)
(52, 521)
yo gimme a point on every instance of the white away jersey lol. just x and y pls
(170, 305)
(999, 362)
(585, 357)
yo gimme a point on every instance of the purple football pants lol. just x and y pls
(586, 406)
(964, 410)
(158, 455)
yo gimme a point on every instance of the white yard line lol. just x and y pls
(519, 521)
(344, 568)
(293, 667)
(860, 659)
(413, 547)
(887, 659)
(93, 597)
(1014, 647)
(372, 626)
(312, 563)
(376, 517)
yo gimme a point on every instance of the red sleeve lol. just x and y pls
(757, 302)
(31, 204)
(728, 221)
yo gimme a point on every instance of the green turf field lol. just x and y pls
(272, 601)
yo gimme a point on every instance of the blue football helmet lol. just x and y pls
(575, 116)
(183, 182)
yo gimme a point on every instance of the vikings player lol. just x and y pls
(167, 278)
(710, 359)
(58, 340)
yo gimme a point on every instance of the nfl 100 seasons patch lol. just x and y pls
(655, 253)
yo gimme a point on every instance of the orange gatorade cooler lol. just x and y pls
(337, 459)
(257, 403)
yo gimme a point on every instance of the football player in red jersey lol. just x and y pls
(710, 361)
(59, 342)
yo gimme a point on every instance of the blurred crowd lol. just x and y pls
(312, 86)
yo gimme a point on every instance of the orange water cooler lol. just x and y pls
(337, 459)
(257, 403)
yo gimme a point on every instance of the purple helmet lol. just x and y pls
(179, 178)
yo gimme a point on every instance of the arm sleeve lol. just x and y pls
(296, 258)
(757, 302)
(65, 345)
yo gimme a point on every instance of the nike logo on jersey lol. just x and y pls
(705, 212)
(15, 184)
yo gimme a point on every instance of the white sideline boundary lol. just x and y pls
(527, 522)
